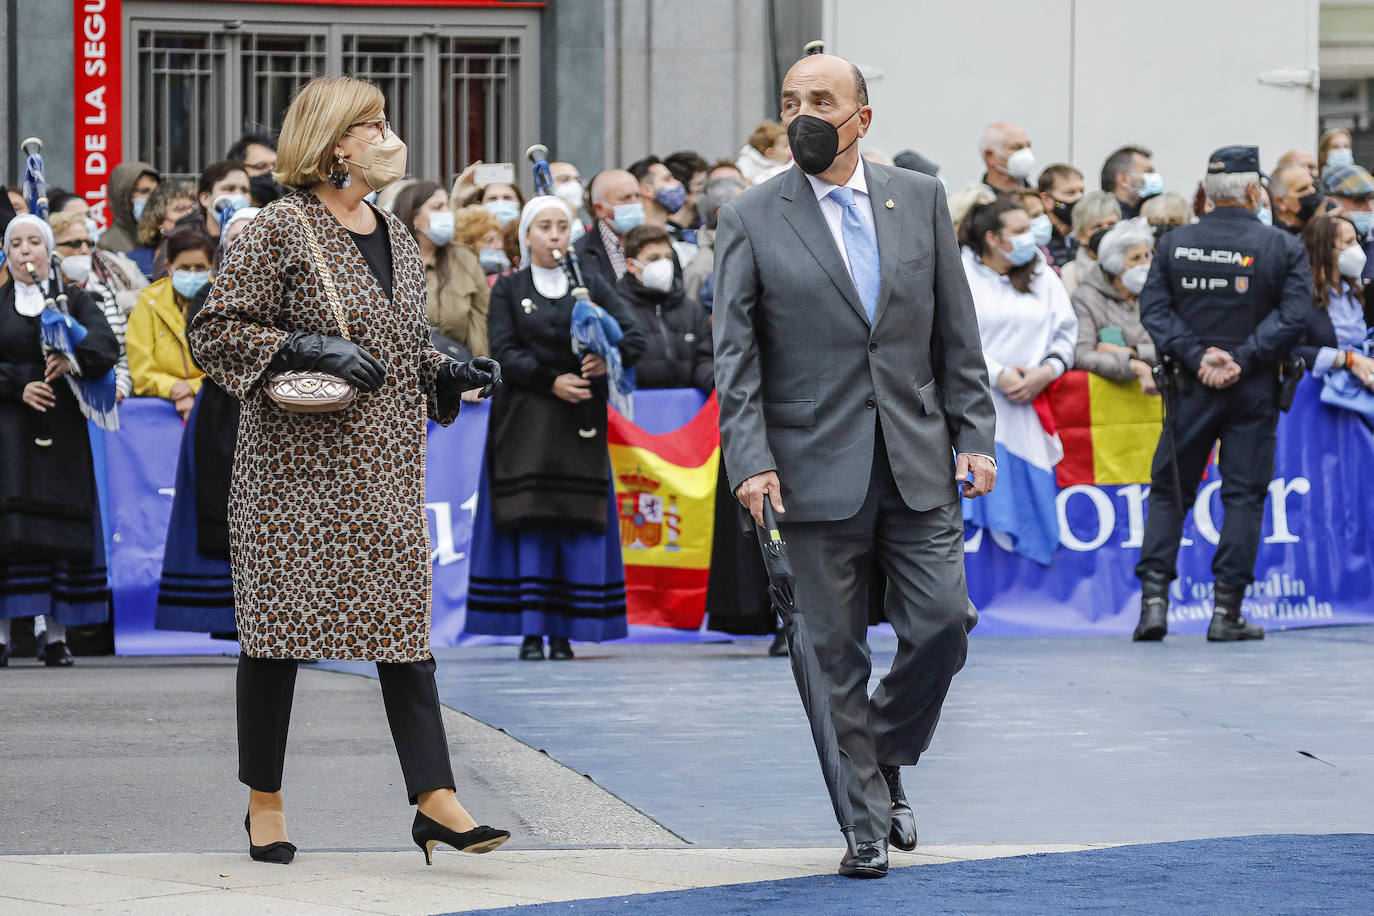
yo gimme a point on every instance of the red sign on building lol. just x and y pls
(98, 77)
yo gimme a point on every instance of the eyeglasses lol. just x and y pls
(382, 124)
(78, 244)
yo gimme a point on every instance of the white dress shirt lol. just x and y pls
(834, 213)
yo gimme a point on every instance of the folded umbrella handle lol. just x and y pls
(770, 520)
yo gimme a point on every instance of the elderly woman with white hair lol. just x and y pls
(546, 540)
(1111, 340)
(52, 554)
(1094, 212)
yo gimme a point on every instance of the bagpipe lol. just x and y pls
(58, 331)
(594, 330)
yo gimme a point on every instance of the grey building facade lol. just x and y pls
(600, 82)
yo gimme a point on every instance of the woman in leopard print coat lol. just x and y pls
(329, 542)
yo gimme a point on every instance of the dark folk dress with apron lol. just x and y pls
(546, 538)
(52, 548)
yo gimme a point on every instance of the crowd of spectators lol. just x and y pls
(1055, 265)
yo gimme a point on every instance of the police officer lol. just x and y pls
(1226, 299)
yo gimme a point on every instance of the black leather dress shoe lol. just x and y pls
(903, 832)
(778, 649)
(871, 861)
(532, 649)
(559, 648)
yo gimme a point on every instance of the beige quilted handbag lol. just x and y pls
(308, 391)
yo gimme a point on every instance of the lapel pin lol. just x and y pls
(890, 204)
(527, 305)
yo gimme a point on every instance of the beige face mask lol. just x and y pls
(383, 162)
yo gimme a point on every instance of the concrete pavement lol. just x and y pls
(118, 792)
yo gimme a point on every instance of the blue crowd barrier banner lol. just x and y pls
(1314, 565)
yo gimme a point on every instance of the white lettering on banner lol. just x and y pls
(96, 85)
(1278, 498)
(1106, 517)
(1135, 497)
(1202, 513)
(446, 550)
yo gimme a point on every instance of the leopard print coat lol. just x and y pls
(329, 541)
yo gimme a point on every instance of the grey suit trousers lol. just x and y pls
(922, 555)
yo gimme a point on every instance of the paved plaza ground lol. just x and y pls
(659, 769)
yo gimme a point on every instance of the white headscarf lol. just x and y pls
(533, 208)
(28, 298)
(28, 219)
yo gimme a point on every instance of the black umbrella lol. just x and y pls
(806, 669)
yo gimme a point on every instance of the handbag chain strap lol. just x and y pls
(326, 278)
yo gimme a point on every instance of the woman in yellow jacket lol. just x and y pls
(159, 358)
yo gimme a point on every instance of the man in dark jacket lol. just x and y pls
(677, 331)
(616, 208)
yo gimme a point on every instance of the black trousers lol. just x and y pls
(921, 555)
(266, 687)
(1245, 418)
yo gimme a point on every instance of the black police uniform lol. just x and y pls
(1230, 282)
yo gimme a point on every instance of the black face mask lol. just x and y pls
(815, 142)
(1064, 211)
(1308, 204)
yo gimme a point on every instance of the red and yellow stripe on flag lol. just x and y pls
(666, 491)
(1109, 429)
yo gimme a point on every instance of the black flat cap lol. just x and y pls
(1235, 159)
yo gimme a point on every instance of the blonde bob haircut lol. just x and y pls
(319, 116)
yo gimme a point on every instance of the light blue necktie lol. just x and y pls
(861, 247)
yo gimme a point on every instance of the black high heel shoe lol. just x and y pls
(428, 833)
(279, 853)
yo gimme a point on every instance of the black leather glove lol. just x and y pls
(311, 352)
(478, 372)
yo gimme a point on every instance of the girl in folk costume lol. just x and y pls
(328, 537)
(196, 593)
(546, 539)
(52, 554)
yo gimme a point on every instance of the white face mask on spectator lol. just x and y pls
(1133, 278)
(76, 267)
(1350, 263)
(658, 275)
(1021, 163)
(570, 192)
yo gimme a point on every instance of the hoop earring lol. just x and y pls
(339, 176)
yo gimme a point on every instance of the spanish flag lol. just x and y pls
(665, 490)
(1109, 429)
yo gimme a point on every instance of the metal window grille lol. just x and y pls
(478, 86)
(179, 78)
(454, 94)
(273, 68)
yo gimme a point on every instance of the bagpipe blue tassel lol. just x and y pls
(595, 330)
(60, 333)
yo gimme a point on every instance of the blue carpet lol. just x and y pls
(1295, 873)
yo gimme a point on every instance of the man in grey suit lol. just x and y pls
(853, 392)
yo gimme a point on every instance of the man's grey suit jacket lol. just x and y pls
(801, 375)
